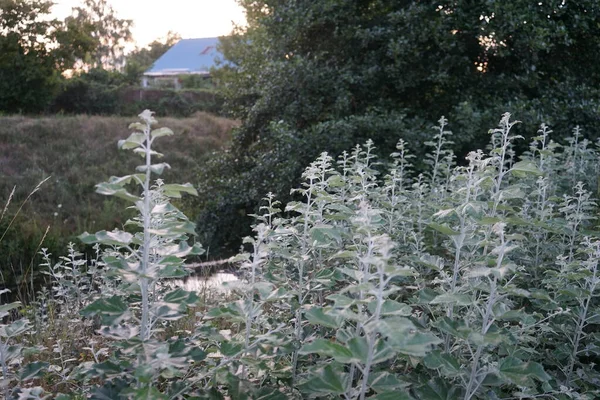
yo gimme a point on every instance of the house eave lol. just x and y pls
(175, 73)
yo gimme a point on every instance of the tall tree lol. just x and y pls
(34, 50)
(309, 76)
(99, 20)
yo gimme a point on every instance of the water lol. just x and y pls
(217, 282)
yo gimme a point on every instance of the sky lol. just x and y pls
(154, 18)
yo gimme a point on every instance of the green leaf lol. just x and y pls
(323, 235)
(391, 307)
(403, 337)
(446, 230)
(112, 310)
(7, 307)
(359, 348)
(115, 237)
(134, 140)
(452, 327)
(327, 348)
(137, 125)
(449, 298)
(33, 370)
(524, 168)
(444, 362)
(157, 169)
(521, 373)
(231, 349)
(395, 395)
(326, 381)
(175, 190)
(16, 328)
(317, 316)
(181, 296)
(147, 393)
(111, 189)
(382, 381)
(438, 389)
(160, 132)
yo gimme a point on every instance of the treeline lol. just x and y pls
(78, 65)
(306, 77)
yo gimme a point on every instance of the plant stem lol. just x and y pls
(3, 348)
(145, 323)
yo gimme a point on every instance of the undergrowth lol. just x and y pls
(471, 281)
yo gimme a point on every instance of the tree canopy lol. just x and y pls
(306, 77)
(36, 49)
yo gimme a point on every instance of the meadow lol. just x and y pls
(70, 154)
(473, 279)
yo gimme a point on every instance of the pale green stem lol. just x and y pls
(581, 325)
(3, 348)
(145, 323)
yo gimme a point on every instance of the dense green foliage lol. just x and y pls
(465, 282)
(32, 55)
(311, 76)
(103, 92)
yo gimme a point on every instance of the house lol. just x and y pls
(186, 57)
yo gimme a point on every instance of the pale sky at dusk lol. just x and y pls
(154, 18)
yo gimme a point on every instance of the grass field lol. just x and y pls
(77, 152)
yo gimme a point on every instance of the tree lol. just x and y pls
(306, 77)
(99, 20)
(34, 50)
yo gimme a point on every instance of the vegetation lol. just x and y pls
(305, 77)
(36, 50)
(75, 153)
(476, 281)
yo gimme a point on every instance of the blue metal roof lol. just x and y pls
(187, 56)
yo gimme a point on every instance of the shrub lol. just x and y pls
(474, 281)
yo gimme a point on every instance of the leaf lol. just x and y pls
(148, 393)
(324, 235)
(325, 381)
(403, 337)
(317, 316)
(446, 230)
(180, 296)
(115, 237)
(396, 395)
(444, 362)
(16, 328)
(111, 189)
(521, 373)
(449, 298)
(438, 389)
(391, 307)
(452, 327)
(160, 132)
(157, 169)
(384, 381)
(112, 310)
(523, 168)
(230, 349)
(134, 140)
(33, 370)
(137, 125)
(10, 306)
(175, 190)
(359, 348)
(327, 348)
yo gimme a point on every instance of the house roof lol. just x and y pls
(188, 56)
